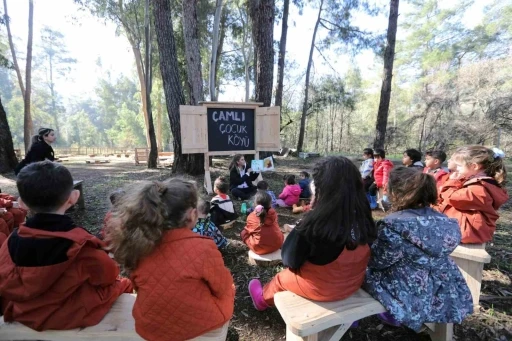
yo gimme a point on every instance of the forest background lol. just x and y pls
(452, 77)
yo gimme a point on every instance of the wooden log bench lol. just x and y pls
(269, 259)
(78, 184)
(308, 320)
(470, 258)
(117, 325)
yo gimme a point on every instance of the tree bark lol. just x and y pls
(215, 45)
(300, 143)
(142, 81)
(13, 51)
(27, 126)
(385, 92)
(218, 61)
(192, 52)
(153, 153)
(262, 16)
(169, 69)
(281, 58)
(8, 160)
(52, 93)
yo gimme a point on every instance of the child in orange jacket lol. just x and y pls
(475, 191)
(6, 224)
(54, 274)
(183, 288)
(434, 166)
(9, 202)
(326, 254)
(261, 232)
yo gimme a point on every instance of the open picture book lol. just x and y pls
(267, 164)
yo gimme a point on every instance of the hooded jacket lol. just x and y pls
(183, 288)
(410, 272)
(54, 275)
(6, 226)
(440, 174)
(381, 170)
(290, 194)
(474, 203)
(263, 238)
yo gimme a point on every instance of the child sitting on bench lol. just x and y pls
(54, 274)
(410, 271)
(327, 252)
(475, 191)
(222, 210)
(183, 288)
(261, 232)
(205, 226)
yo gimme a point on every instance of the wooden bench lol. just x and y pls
(308, 320)
(78, 185)
(470, 258)
(117, 325)
(269, 259)
(141, 155)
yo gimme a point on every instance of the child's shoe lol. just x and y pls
(388, 319)
(256, 292)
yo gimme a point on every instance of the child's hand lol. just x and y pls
(249, 170)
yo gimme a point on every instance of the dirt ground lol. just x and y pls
(493, 322)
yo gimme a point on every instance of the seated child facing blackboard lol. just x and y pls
(263, 186)
(291, 192)
(205, 227)
(410, 270)
(222, 210)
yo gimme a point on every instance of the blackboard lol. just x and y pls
(230, 129)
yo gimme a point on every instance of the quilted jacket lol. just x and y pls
(263, 238)
(381, 170)
(474, 203)
(183, 288)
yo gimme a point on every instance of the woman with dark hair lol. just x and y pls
(40, 149)
(327, 252)
(241, 178)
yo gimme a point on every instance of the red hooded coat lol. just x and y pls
(59, 279)
(474, 203)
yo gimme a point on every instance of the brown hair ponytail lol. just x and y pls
(263, 199)
(144, 213)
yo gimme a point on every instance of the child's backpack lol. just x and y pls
(219, 215)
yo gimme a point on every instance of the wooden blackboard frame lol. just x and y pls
(265, 139)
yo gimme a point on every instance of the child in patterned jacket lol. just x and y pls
(205, 226)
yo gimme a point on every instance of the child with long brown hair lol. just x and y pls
(475, 191)
(183, 288)
(327, 252)
(261, 232)
(410, 271)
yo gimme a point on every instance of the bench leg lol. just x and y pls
(81, 201)
(441, 331)
(290, 336)
(472, 272)
(331, 334)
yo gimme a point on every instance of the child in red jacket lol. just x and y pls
(183, 288)
(291, 192)
(434, 166)
(9, 202)
(54, 274)
(261, 233)
(6, 224)
(381, 169)
(326, 254)
(475, 191)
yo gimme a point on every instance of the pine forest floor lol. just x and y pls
(493, 322)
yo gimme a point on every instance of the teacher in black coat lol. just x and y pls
(40, 149)
(241, 178)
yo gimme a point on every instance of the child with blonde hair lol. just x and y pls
(183, 288)
(261, 232)
(475, 191)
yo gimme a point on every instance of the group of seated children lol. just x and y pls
(183, 287)
(11, 215)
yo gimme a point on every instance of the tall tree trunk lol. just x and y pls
(28, 129)
(8, 160)
(262, 15)
(153, 153)
(385, 92)
(13, 51)
(218, 61)
(306, 87)
(159, 137)
(282, 53)
(52, 94)
(172, 85)
(142, 82)
(192, 52)
(215, 45)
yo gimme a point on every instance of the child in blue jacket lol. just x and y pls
(410, 272)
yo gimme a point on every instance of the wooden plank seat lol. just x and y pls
(308, 320)
(470, 258)
(269, 259)
(117, 325)
(78, 184)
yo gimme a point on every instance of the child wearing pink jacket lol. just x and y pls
(291, 192)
